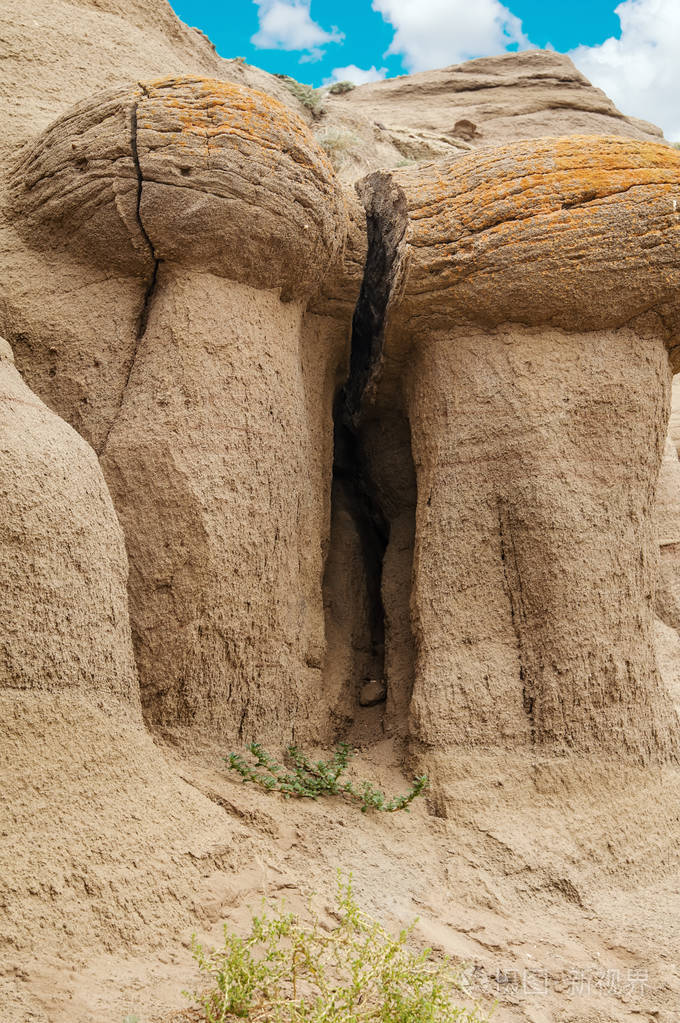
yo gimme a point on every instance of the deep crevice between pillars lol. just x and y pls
(361, 522)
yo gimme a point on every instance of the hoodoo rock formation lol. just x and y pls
(215, 200)
(317, 462)
(534, 291)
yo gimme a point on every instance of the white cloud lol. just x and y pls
(435, 33)
(641, 70)
(288, 25)
(358, 75)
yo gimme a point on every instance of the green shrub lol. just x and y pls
(285, 972)
(339, 88)
(307, 780)
(310, 97)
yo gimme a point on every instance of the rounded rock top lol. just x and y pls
(213, 175)
(581, 232)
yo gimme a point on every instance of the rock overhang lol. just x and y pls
(581, 232)
(205, 173)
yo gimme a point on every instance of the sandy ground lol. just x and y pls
(554, 885)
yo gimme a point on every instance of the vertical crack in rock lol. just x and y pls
(150, 288)
(513, 587)
(352, 474)
(386, 221)
(151, 285)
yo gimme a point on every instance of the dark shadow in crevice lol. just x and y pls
(360, 529)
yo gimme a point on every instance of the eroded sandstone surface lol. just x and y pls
(294, 460)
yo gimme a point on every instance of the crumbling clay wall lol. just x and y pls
(91, 812)
(63, 599)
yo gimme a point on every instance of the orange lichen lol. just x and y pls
(534, 196)
(531, 178)
(203, 110)
(581, 233)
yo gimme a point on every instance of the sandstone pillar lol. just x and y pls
(534, 298)
(235, 213)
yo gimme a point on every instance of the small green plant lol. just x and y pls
(310, 97)
(286, 972)
(339, 88)
(336, 144)
(131, 1018)
(307, 780)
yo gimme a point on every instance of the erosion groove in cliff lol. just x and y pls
(355, 456)
(353, 484)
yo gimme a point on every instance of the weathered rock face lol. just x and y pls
(667, 513)
(63, 567)
(216, 202)
(526, 308)
(212, 351)
(674, 423)
(180, 271)
(445, 113)
(496, 99)
(83, 48)
(88, 801)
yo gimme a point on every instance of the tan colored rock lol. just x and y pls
(63, 568)
(109, 181)
(667, 512)
(495, 99)
(526, 309)
(447, 112)
(58, 54)
(91, 814)
(216, 456)
(667, 646)
(674, 423)
(477, 228)
(102, 848)
(372, 693)
(72, 322)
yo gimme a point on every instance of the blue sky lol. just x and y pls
(631, 49)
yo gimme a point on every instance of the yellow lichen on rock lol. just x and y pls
(185, 169)
(580, 232)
